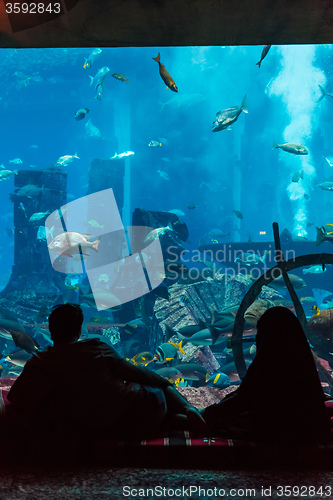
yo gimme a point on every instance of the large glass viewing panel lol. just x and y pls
(143, 183)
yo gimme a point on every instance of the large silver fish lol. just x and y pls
(71, 243)
(292, 147)
(228, 116)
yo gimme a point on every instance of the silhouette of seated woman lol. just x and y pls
(280, 397)
(87, 385)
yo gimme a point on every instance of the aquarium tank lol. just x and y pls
(142, 183)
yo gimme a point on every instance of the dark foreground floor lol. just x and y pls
(105, 483)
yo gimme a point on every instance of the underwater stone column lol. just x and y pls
(32, 274)
(105, 174)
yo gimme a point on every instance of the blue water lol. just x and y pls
(281, 94)
(237, 169)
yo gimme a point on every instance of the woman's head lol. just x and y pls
(65, 322)
(278, 328)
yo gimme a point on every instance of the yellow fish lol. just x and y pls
(315, 310)
(143, 358)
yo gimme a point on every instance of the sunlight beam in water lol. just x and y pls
(297, 86)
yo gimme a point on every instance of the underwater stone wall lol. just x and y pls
(105, 174)
(37, 192)
(192, 302)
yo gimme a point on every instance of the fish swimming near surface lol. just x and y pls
(220, 335)
(325, 186)
(9, 231)
(231, 370)
(169, 372)
(263, 54)
(191, 206)
(92, 130)
(44, 332)
(102, 298)
(63, 161)
(100, 319)
(307, 299)
(238, 214)
(208, 335)
(185, 332)
(7, 326)
(292, 147)
(315, 310)
(99, 91)
(30, 191)
(214, 267)
(324, 233)
(256, 310)
(168, 351)
(38, 216)
(121, 155)
(44, 232)
(297, 176)
(218, 233)
(71, 243)
(183, 100)
(155, 144)
(323, 93)
(18, 358)
(143, 358)
(24, 341)
(250, 259)
(227, 315)
(163, 174)
(228, 116)
(4, 174)
(319, 269)
(103, 278)
(81, 113)
(175, 267)
(177, 212)
(133, 326)
(99, 77)
(166, 77)
(192, 371)
(219, 380)
(11, 371)
(189, 279)
(92, 57)
(120, 77)
(279, 284)
(16, 161)
(329, 160)
(157, 233)
(96, 224)
(161, 291)
(43, 313)
(320, 295)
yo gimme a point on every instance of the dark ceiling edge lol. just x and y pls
(140, 23)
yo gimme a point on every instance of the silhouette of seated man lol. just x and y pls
(87, 385)
(280, 397)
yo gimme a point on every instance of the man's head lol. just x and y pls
(65, 322)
